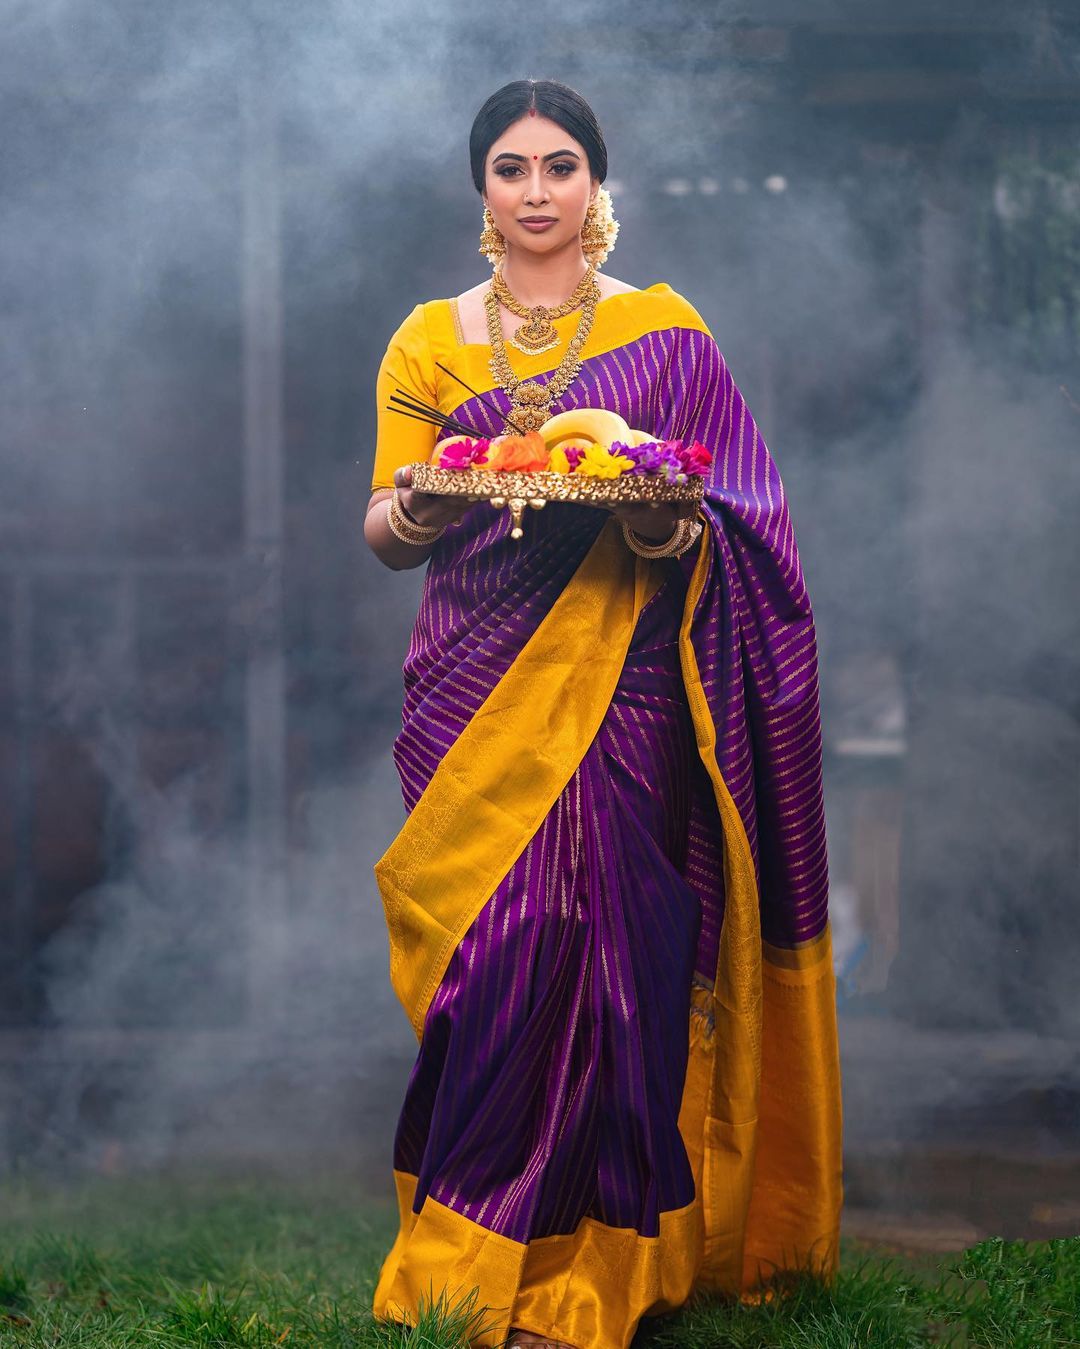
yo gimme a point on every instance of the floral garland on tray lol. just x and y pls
(530, 453)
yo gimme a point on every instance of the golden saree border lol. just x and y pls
(795, 1207)
(496, 783)
(584, 1287)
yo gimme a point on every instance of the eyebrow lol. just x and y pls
(507, 155)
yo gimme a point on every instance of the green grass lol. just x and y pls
(183, 1262)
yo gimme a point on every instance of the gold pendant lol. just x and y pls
(528, 419)
(536, 335)
(529, 405)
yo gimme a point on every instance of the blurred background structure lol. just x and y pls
(211, 219)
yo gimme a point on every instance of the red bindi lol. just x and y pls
(534, 156)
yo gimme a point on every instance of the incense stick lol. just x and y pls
(432, 414)
(435, 413)
(493, 407)
(416, 416)
(436, 417)
(422, 417)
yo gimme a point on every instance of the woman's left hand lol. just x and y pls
(652, 520)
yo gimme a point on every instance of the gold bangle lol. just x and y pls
(407, 529)
(681, 538)
(410, 533)
(399, 524)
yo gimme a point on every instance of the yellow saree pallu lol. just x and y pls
(607, 906)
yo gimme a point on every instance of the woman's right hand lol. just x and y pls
(428, 508)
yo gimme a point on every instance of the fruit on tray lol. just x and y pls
(578, 428)
(596, 426)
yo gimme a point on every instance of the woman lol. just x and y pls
(607, 906)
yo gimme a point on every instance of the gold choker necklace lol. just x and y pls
(539, 333)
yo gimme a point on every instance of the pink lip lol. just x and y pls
(538, 220)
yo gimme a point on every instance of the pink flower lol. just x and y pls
(696, 458)
(463, 453)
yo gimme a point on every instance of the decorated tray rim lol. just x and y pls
(549, 485)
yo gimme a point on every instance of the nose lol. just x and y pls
(535, 194)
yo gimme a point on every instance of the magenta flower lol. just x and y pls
(463, 454)
(696, 458)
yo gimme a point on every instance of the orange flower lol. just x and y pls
(522, 454)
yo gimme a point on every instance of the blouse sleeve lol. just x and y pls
(406, 364)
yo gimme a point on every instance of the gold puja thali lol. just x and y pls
(583, 455)
(516, 490)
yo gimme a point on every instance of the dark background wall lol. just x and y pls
(210, 222)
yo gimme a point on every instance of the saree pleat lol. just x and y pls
(607, 909)
(540, 1093)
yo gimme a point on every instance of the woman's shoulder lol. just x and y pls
(412, 327)
(674, 306)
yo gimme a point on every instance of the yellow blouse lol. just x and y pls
(432, 332)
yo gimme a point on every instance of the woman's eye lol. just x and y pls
(509, 169)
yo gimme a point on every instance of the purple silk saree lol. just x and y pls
(607, 908)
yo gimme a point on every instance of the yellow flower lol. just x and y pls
(559, 461)
(599, 462)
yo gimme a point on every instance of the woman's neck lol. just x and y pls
(546, 279)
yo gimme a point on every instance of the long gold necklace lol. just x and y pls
(530, 402)
(539, 332)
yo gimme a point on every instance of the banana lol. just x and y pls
(595, 424)
(565, 443)
(638, 437)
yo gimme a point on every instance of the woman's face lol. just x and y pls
(537, 168)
